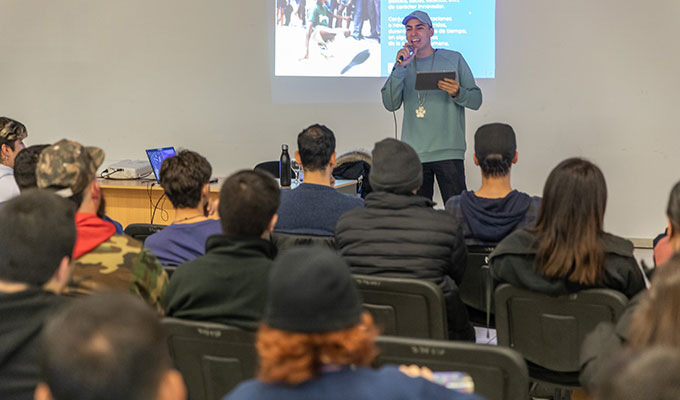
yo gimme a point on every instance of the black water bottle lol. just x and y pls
(284, 167)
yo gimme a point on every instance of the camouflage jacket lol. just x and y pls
(120, 263)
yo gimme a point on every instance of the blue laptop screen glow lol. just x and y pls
(156, 157)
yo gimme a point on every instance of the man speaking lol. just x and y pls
(434, 120)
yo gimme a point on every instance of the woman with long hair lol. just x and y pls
(568, 249)
(316, 343)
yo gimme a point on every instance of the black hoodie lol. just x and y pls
(22, 316)
(488, 221)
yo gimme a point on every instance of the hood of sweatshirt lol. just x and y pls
(493, 219)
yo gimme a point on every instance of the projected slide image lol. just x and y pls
(362, 37)
(328, 38)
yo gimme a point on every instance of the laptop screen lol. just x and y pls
(156, 157)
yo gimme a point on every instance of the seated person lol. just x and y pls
(495, 210)
(228, 284)
(12, 135)
(567, 250)
(185, 179)
(670, 244)
(24, 166)
(313, 208)
(650, 319)
(398, 234)
(317, 343)
(36, 241)
(24, 173)
(651, 374)
(104, 260)
(107, 346)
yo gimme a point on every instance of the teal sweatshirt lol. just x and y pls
(441, 134)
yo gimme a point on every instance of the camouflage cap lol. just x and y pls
(68, 164)
(12, 130)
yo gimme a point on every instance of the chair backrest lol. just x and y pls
(405, 307)
(548, 331)
(142, 231)
(476, 289)
(284, 241)
(499, 373)
(269, 166)
(212, 358)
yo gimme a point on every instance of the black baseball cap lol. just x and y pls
(496, 138)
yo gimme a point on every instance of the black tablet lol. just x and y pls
(428, 80)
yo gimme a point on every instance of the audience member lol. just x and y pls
(36, 243)
(104, 260)
(671, 242)
(25, 164)
(229, 283)
(107, 346)
(496, 209)
(399, 234)
(185, 179)
(101, 213)
(313, 208)
(316, 343)
(568, 250)
(12, 135)
(652, 374)
(651, 318)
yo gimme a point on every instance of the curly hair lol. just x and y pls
(293, 358)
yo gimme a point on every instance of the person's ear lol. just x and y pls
(474, 158)
(205, 191)
(332, 160)
(297, 157)
(514, 159)
(172, 386)
(671, 231)
(42, 392)
(431, 31)
(272, 223)
(95, 192)
(61, 276)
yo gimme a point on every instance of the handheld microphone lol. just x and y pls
(401, 57)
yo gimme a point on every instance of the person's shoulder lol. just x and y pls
(617, 245)
(519, 242)
(250, 389)
(115, 250)
(450, 55)
(350, 200)
(453, 203)
(420, 388)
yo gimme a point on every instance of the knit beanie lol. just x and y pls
(396, 167)
(312, 291)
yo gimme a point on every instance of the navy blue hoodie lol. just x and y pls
(488, 221)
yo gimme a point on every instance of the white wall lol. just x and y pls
(575, 78)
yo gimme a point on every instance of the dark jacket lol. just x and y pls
(227, 285)
(22, 317)
(402, 236)
(513, 262)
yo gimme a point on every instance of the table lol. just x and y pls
(134, 201)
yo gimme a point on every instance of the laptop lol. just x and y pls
(156, 157)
